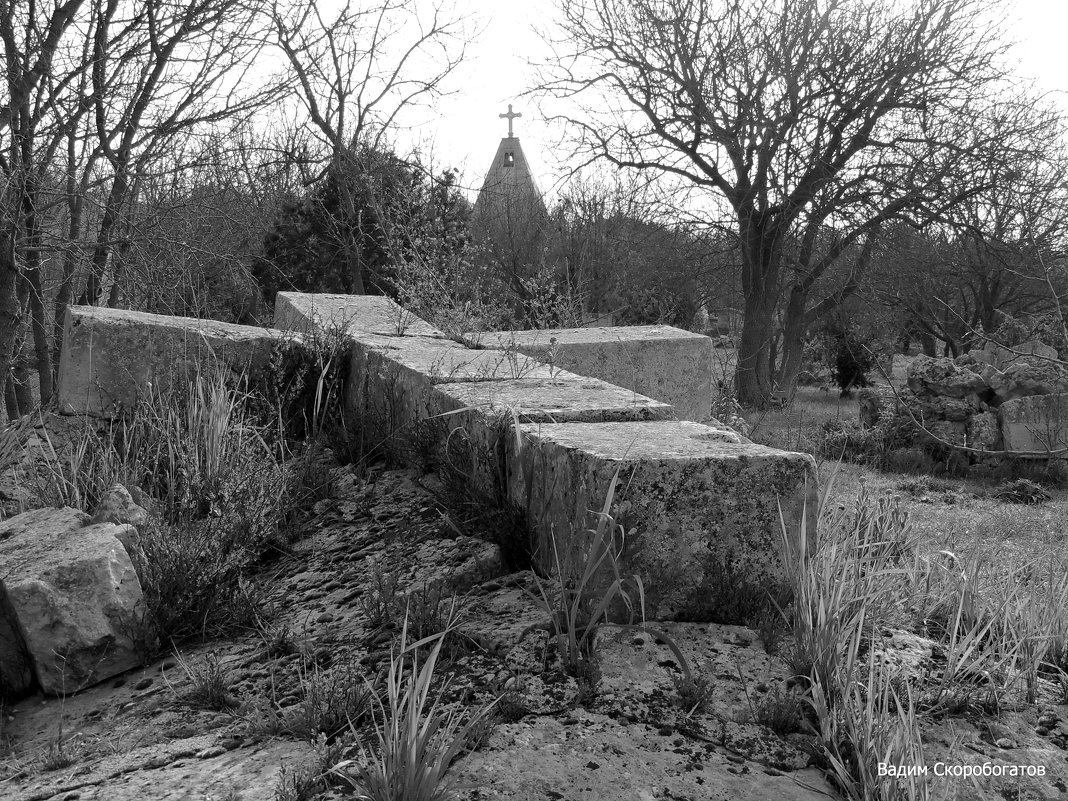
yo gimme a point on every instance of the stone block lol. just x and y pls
(470, 419)
(984, 432)
(75, 597)
(391, 378)
(1035, 424)
(110, 356)
(658, 361)
(1000, 356)
(701, 509)
(364, 314)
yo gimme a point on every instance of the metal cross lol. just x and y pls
(511, 115)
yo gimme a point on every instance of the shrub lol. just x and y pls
(849, 354)
(1021, 491)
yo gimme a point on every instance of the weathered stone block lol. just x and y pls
(391, 378)
(1021, 379)
(470, 419)
(984, 432)
(701, 508)
(110, 356)
(658, 361)
(366, 314)
(1036, 424)
(75, 596)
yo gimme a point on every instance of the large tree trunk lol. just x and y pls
(761, 252)
(795, 329)
(752, 377)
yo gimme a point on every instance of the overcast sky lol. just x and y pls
(468, 130)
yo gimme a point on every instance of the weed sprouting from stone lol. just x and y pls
(694, 693)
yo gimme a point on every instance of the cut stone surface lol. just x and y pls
(1037, 423)
(390, 382)
(110, 356)
(75, 596)
(473, 417)
(701, 508)
(366, 314)
(658, 361)
(592, 757)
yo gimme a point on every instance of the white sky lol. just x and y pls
(496, 72)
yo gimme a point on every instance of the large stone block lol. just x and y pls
(1035, 424)
(471, 420)
(110, 356)
(701, 509)
(75, 597)
(390, 379)
(364, 314)
(658, 361)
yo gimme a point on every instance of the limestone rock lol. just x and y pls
(657, 361)
(697, 503)
(590, 757)
(111, 356)
(943, 377)
(1035, 423)
(75, 596)
(952, 432)
(983, 431)
(16, 669)
(1001, 357)
(1022, 379)
(117, 506)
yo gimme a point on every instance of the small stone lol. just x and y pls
(325, 617)
(144, 684)
(1041, 731)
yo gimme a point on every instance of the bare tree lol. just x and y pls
(805, 125)
(357, 73)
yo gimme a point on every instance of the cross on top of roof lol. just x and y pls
(511, 115)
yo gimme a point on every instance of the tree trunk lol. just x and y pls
(94, 289)
(795, 329)
(66, 286)
(10, 312)
(752, 377)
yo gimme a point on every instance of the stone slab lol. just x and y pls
(472, 418)
(659, 361)
(365, 314)
(1035, 424)
(701, 508)
(75, 597)
(111, 356)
